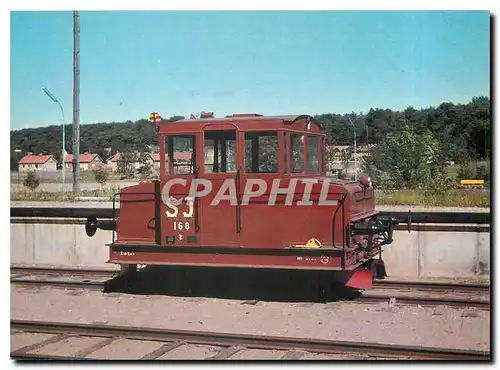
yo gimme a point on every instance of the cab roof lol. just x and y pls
(252, 117)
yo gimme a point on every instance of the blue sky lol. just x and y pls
(133, 63)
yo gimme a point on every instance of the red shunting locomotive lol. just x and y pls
(249, 191)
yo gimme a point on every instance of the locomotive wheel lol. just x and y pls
(128, 271)
(123, 280)
(378, 269)
(324, 286)
(128, 275)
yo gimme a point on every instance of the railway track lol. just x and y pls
(417, 293)
(225, 346)
(434, 286)
(26, 271)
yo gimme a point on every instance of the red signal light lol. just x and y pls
(366, 181)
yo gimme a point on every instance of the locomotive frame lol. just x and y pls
(345, 236)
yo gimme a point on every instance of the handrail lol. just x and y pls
(238, 201)
(195, 205)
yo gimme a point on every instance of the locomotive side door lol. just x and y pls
(179, 222)
(219, 209)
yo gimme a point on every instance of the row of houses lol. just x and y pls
(339, 153)
(88, 162)
(337, 156)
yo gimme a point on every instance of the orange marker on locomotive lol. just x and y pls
(249, 191)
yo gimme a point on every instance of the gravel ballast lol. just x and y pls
(405, 325)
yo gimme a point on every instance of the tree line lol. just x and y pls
(462, 130)
(104, 139)
(448, 132)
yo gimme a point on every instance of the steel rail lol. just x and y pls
(369, 297)
(372, 298)
(425, 301)
(431, 285)
(247, 341)
(18, 355)
(385, 284)
(90, 285)
(22, 270)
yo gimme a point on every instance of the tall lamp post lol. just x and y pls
(53, 98)
(18, 152)
(355, 160)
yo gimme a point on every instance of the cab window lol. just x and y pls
(312, 154)
(180, 155)
(220, 151)
(297, 147)
(261, 152)
(285, 151)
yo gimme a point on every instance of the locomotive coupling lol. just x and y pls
(93, 224)
(382, 225)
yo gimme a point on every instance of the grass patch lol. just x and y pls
(84, 179)
(428, 198)
(55, 178)
(23, 194)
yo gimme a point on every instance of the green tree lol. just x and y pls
(483, 172)
(101, 176)
(467, 170)
(126, 165)
(462, 130)
(146, 169)
(408, 160)
(32, 181)
(379, 123)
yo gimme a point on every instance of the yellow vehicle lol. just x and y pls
(472, 183)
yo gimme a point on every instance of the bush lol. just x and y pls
(101, 176)
(408, 160)
(145, 171)
(125, 166)
(32, 181)
(466, 171)
(483, 172)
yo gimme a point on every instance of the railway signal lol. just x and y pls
(155, 117)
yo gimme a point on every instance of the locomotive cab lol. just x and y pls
(249, 191)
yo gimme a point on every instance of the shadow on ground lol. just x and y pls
(234, 283)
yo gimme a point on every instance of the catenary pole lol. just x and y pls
(76, 102)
